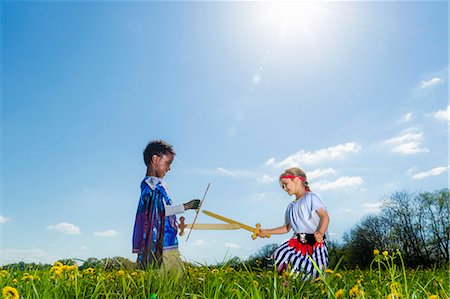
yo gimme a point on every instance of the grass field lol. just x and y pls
(386, 278)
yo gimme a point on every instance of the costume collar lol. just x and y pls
(153, 181)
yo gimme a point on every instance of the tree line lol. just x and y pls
(417, 224)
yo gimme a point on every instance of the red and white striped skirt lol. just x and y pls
(293, 256)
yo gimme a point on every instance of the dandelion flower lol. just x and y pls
(339, 293)
(338, 275)
(385, 253)
(376, 252)
(354, 291)
(120, 273)
(329, 271)
(433, 297)
(10, 293)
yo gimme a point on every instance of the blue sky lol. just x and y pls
(355, 93)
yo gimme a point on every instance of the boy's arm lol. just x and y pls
(172, 210)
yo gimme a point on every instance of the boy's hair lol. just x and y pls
(157, 147)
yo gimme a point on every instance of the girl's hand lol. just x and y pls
(318, 236)
(262, 233)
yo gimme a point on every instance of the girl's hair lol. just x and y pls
(295, 171)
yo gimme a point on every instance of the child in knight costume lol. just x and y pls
(155, 229)
(307, 215)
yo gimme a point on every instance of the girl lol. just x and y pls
(307, 216)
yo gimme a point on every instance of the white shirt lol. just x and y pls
(301, 215)
(169, 208)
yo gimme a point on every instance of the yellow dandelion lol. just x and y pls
(57, 264)
(338, 275)
(89, 271)
(120, 273)
(433, 297)
(385, 253)
(376, 252)
(3, 273)
(339, 293)
(329, 271)
(27, 276)
(255, 283)
(10, 293)
(354, 291)
(14, 281)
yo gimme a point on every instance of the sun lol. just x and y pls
(294, 18)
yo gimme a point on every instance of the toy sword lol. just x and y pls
(254, 230)
(205, 226)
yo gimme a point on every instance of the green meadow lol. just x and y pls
(387, 277)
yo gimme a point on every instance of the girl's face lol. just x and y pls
(291, 186)
(161, 165)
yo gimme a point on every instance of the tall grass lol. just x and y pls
(386, 278)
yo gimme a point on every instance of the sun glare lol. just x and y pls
(293, 18)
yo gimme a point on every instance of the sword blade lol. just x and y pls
(212, 226)
(228, 220)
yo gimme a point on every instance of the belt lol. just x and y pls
(306, 238)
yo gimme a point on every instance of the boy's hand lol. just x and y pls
(192, 205)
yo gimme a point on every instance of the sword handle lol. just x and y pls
(256, 232)
(182, 226)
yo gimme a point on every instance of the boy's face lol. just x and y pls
(161, 165)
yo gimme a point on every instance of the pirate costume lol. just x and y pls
(301, 215)
(155, 228)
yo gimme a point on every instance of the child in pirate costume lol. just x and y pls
(307, 215)
(155, 229)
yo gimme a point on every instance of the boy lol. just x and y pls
(155, 229)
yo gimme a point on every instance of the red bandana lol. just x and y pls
(293, 177)
(296, 176)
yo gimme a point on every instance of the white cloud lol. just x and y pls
(232, 245)
(83, 248)
(372, 207)
(317, 173)
(267, 179)
(433, 172)
(326, 154)
(342, 182)
(31, 255)
(65, 228)
(4, 219)
(407, 142)
(199, 242)
(107, 233)
(430, 83)
(407, 117)
(234, 173)
(443, 115)
(270, 162)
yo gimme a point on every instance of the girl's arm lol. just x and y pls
(323, 225)
(274, 231)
